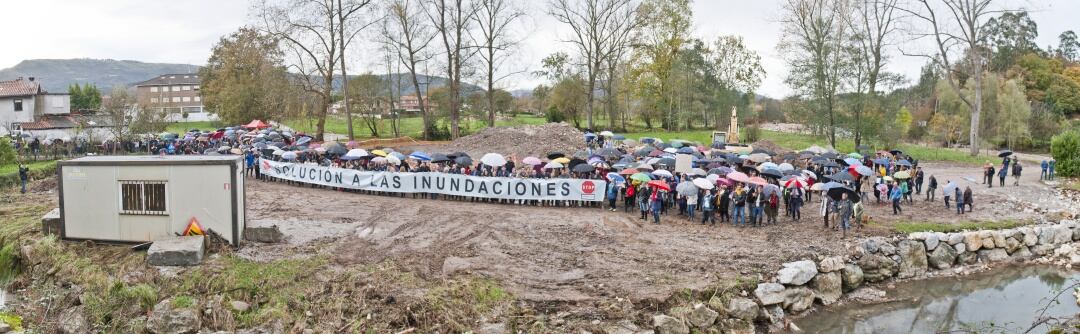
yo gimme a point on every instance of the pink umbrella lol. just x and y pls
(723, 181)
(757, 180)
(351, 144)
(738, 177)
(531, 161)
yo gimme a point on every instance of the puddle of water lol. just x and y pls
(1008, 299)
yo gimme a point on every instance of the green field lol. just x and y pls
(34, 165)
(411, 126)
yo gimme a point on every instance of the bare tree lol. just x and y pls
(347, 11)
(493, 22)
(120, 109)
(453, 19)
(814, 34)
(956, 28)
(408, 33)
(874, 26)
(310, 29)
(596, 25)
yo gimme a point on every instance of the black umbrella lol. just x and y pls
(555, 155)
(735, 160)
(574, 162)
(439, 157)
(842, 176)
(836, 192)
(862, 147)
(456, 155)
(336, 149)
(667, 162)
(464, 160)
(806, 155)
(829, 155)
(830, 163)
(896, 152)
(642, 152)
(610, 153)
(761, 150)
(772, 172)
(582, 168)
(1005, 153)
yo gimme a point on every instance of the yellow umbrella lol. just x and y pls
(380, 153)
(562, 160)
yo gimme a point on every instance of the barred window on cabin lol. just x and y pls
(143, 198)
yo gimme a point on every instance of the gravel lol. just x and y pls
(527, 140)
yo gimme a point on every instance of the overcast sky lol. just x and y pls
(184, 31)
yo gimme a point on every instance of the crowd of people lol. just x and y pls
(722, 184)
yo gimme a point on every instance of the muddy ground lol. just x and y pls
(580, 254)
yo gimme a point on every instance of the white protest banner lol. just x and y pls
(438, 183)
(684, 163)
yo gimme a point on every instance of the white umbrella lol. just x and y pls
(493, 160)
(553, 165)
(698, 171)
(766, 165)
(379, 160)
(670, 150)
(949, 187)
(686, 188)
(785, 167)
(278, 152)
(356, 153)
(393, 160)
(606, 133)
(288, 155)
(759, 157)
(809, 174)
(704, 183)
(664, 173)
(712, 178)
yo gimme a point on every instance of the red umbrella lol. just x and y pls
(628, 171)
(795, 183)
(256, 124)
(658, 184)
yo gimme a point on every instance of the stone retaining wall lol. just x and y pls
(800, 285)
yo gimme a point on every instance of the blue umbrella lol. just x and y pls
(647, 140)
(904, 163)
(881, 161)
(852, 161)
(589, 136)
(615, 177)
(420, 156)
(619, 137)
(686, 150)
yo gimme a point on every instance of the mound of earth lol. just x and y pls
(527, 140)
(768, 145)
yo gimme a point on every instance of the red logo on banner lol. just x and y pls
(265, 165)
(588, 187)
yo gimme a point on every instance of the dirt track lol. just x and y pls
(575, 254)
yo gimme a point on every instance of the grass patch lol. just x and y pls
(34, 165)
(183, 301)
(13, 320)
(910, 227)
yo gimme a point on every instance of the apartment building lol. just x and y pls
(177, 94)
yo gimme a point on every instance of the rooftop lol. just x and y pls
(171, 79)
(19, 87)
(49, 122)
(148, 160)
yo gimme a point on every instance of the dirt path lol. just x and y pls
(577, 254)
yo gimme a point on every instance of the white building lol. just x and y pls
(147, 198)
(24, 101)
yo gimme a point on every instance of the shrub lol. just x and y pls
(554, 115)
(1066, 150)
(7, 152)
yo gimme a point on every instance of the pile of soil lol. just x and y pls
(768, 145)
(528, 140)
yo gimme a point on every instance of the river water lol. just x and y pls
(1001, 300)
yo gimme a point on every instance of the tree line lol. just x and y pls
(985, 80)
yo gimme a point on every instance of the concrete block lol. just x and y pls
(178, 251)
(51, 222)
(267, 234)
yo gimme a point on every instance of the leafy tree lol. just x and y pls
(666, 28)
(369, 96)
(244, 78)
(1014, 113)
(1012, 34)
(568, 97)
(1065, 148)
(1068, 46)
(903, 121)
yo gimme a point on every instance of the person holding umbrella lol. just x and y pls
(739, 200)
(796, 203)
(724, 199)
(707, 205)
(968, 199)
(644, 193)
(656, 200)
(988, 176)
(612, 193)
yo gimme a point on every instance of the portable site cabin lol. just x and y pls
(146, 198)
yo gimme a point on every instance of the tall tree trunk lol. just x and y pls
(344, 76)
(975, 113)
(491, 85)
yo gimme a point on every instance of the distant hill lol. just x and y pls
(57, 74)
